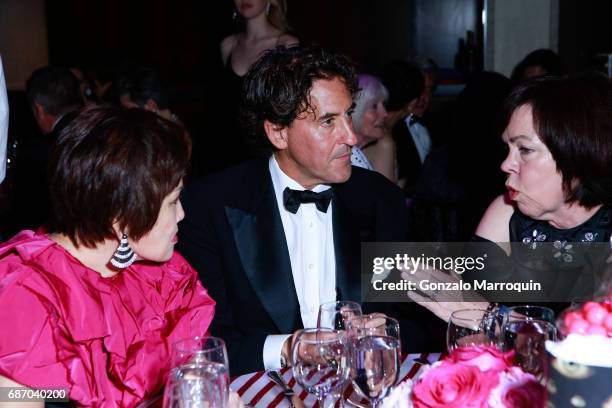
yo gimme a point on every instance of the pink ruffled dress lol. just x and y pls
(107, 340)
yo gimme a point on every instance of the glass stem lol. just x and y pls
(325, 398)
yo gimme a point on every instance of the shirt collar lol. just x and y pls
(280, 180)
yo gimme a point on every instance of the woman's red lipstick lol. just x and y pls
(512, 193)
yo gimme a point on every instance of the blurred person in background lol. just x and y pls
(264, 26)
(54, 97)
(375, 148)
(460, 178)
(142, 87)
(405, 84)
(537, 63)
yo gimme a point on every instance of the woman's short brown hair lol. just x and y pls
(114, 166)
(572, 116)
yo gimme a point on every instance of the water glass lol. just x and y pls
(376, 355)
(525, 330)
(202, 385)
(466, 327)
(336, 315)
(206, 349)
(321, 361)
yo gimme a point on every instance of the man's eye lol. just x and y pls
(328, 122)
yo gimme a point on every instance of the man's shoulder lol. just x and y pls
(233, 183)
(371, 183)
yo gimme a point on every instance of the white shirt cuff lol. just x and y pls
(272, 350)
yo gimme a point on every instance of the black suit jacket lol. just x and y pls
(32, 201)
(233, 236)
(408, 159)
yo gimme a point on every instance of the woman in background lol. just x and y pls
(265, 27)
(93, 303)
(375, 149)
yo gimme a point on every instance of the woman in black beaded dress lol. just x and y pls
(559, 181)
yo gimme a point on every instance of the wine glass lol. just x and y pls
(376, 355)
(203, 351)
(199, 350)
(199, 385)
(466, 327)
(525, 330)
(336, 315)
(321, 359)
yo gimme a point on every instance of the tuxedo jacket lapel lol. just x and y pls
(262, 248)
(347, 249)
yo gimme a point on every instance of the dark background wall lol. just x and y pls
(182, 37)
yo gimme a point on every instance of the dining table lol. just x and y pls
(257, 390)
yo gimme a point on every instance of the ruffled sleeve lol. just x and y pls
(107, 340)
(27, 347)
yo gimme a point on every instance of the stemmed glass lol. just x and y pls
(336, 315)
(199, 373)
(525, 330)
(321, 361)
(199, 349)
(376, 355)
(466, 327)
(200, 385)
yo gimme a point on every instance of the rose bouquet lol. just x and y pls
(472, 376)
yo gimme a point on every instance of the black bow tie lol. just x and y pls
(293, 198)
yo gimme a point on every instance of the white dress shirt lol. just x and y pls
(4, 119)
(310, 241)
(421, 138)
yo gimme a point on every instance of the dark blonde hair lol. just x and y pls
(278, 15)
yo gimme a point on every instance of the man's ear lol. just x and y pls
(412, 105)
(39, 111)
(276, 134)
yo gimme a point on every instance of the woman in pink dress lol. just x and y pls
(93, 302)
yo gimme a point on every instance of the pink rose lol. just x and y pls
(453, 385)
(517, 389)
(484, 357)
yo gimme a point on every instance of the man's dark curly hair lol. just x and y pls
(278, 85)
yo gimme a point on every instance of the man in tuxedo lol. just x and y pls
(405, 83)
(274, 238)
(54, 97)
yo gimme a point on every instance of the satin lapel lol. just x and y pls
(347, 251)
(263, 252)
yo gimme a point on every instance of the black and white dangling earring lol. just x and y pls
(124, 256)
(234, 15)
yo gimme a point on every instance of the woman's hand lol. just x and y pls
(442, 303)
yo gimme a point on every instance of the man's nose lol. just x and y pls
(349, 134)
